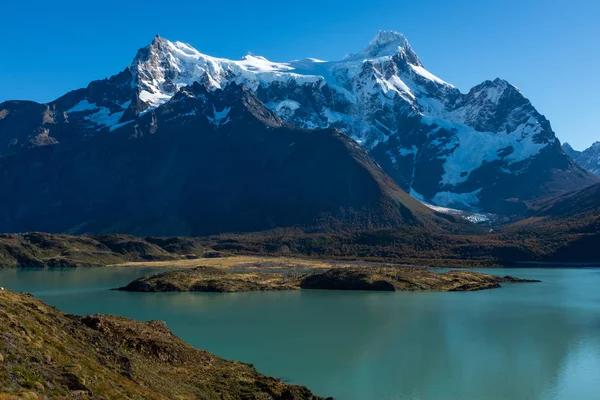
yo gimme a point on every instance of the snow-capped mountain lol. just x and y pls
(206, 162)
(488, 149)
(588, 158)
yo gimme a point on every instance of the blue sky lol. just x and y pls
(548, 48)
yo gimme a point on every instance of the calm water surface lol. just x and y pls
(524, 341)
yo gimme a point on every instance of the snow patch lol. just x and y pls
(476, 218)
(105, 117)
(335, 117)
(219, 118)
(472, 148)
(448, 199)
(385, 43)
(97, 115)
(419, 70)
(83, 105)
(284, 105)
(117, 126)
(260, 64)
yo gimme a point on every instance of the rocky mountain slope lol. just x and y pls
(47, 354)
(588, 158)
(488, 149)
(206, 161)
(577, 211)
(569, 225)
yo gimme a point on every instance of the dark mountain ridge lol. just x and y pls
(575, 212)
(205, 162)
(588, 158)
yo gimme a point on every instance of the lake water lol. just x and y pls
(523, 341)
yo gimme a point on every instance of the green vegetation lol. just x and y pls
(539, 239)
(509, 245)
(45, 353)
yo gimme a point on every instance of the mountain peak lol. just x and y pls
(504, 84)
(387, 43)
(384, 38)
(495, 90)
(567, 146)
(158, 42)
(161, 45)
(588, 158)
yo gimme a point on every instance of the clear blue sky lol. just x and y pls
(550, 49)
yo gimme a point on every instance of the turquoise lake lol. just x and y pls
(523, 341)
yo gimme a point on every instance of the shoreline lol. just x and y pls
(116, 357)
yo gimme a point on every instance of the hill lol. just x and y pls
(45, 353)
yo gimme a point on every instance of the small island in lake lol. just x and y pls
(270, 276)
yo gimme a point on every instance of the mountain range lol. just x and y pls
(588, 158)
(175, 172)
(182, 143)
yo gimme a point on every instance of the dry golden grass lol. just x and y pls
(242, 261)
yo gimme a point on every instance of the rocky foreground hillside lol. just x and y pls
(46, 354)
